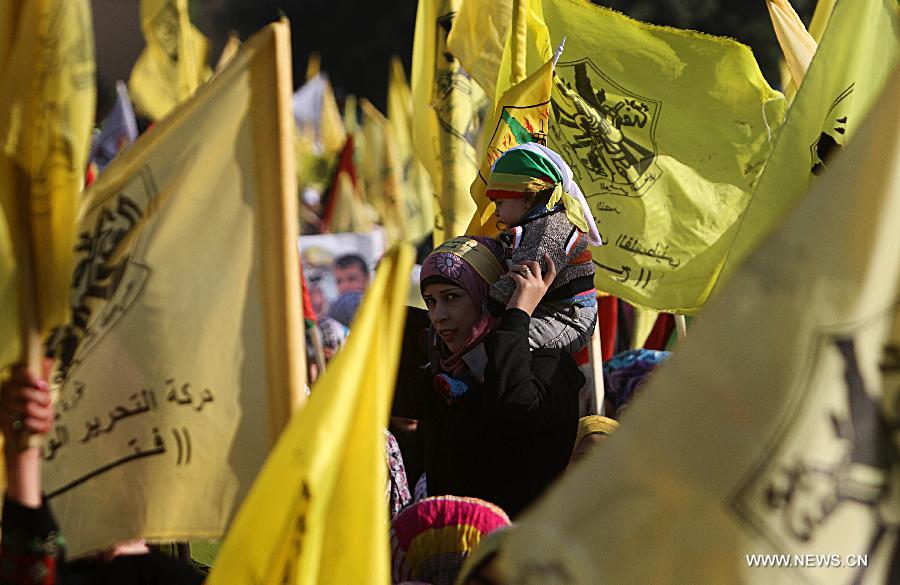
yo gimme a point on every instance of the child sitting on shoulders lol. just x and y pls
(544, 212)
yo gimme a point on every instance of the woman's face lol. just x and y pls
(452, 312)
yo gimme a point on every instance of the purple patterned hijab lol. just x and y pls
(473, 263)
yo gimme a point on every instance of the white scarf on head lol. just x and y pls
(569, 185)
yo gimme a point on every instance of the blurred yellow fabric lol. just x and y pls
(797, 45)
(447, 108)
(855, 58)
(317, 513)
(417, 186)
(47, 98)
(500, 42)
(173, 64)
(771, 430)
(184, 358)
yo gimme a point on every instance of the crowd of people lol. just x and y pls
(486, 413)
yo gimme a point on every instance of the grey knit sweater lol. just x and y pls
(552, 233)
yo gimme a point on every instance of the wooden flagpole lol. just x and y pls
(597, 369)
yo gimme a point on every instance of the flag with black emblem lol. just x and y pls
(184, 358)
(774, 461)
(857, 53)
(522, 115)
(446, 108)
(666, 132)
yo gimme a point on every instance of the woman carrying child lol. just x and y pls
(497, 420)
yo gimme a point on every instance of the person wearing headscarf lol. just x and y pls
(431, 539)
(397, 489)
(626, 373)
(497, 420)
(544, 212)
(344, 308)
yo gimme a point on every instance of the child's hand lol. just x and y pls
(25, 408)
(531, 285)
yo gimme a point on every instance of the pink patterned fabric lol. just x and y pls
(431, 539)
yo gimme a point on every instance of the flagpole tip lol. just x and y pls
(559, 51)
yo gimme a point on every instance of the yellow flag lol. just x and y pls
(381, 173)
(417, 186)
(317, 116)
(232, 46)
(350, 114)
(855, 57)
(522, 115)
(821, 16)
(771, 431)
(499, 42)
(47, 96)
(173, 64)
(332, 131)
(644, 320)
(317, 514)
(666, 131)
(370, 152)
(446, 106)
(10, 346)
(350, 212)
(797, 45)
(184, 357)
(817, 25)
(314, 65)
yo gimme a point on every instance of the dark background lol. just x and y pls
(357, 39)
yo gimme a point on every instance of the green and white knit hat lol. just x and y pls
(531, 168)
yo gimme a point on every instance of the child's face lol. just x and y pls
(510, 211)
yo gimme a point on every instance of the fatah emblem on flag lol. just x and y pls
(803, 496)
(452, 77)
(105, 281)
(518, 125)
(609, 129)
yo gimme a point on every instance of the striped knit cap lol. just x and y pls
(519, 171)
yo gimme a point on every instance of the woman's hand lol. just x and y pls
(531, 285)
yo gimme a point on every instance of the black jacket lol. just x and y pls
(31, 547)
(507, 439)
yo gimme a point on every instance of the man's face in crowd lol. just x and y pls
(350, 279)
